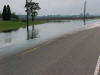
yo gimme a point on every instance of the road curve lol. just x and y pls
(74, 54)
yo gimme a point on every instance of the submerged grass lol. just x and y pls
(14, 25)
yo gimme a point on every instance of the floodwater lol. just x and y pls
(17, 40)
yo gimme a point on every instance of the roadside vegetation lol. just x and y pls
(9, 21)
(14, 25)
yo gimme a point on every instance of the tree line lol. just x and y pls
(7, 14)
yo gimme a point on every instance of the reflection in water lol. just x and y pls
(41, 32)
(14, 37)
(27, 35)
(32, 33)
(8, 38)
(84, 21)
(5, 39)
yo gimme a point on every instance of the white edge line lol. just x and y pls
(97, 67)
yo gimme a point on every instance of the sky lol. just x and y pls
(54, 7)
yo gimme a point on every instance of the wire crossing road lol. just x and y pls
(74, 54)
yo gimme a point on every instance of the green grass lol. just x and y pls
(14, 25)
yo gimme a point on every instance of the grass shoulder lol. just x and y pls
(14, 25)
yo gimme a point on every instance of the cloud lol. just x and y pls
(55, 6)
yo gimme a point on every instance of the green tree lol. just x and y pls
(4, 13)
(33, 10)
(34, 7)
(8, 13)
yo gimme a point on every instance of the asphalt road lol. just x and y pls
(74, 54)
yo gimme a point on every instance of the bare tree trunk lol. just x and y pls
(33, 21)
(27, 27)
(32, 32)
(27, 23)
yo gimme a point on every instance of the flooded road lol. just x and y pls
(13, 42)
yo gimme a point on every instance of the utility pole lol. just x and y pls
(85, 2)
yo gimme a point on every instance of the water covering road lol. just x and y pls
(74, 54)
(15, 41)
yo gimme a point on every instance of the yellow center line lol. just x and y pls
(28, 51)
(37, 47)
(31, 50)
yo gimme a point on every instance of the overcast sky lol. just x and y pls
(52, 7)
